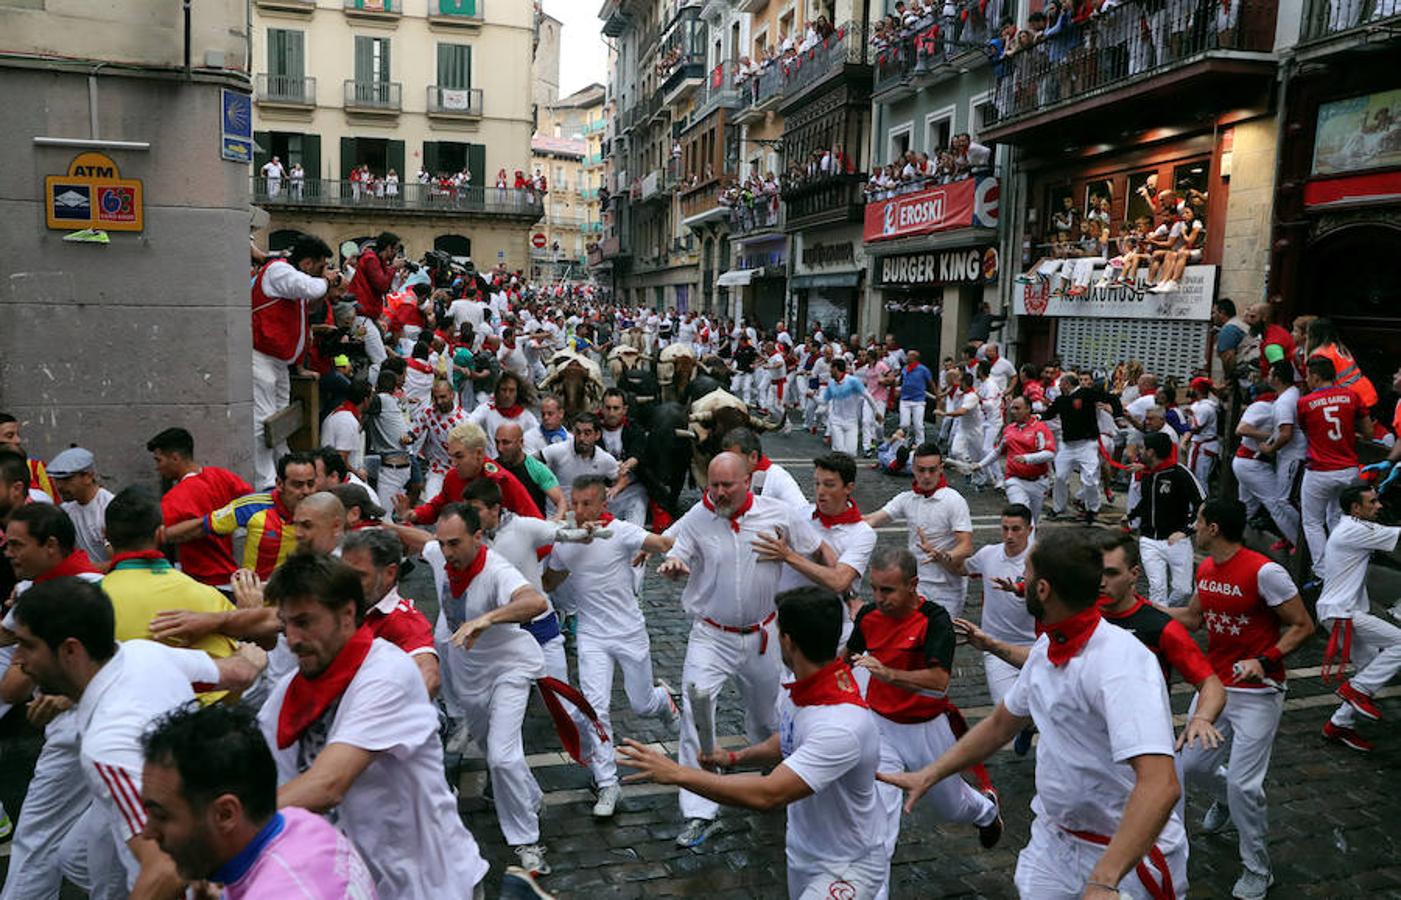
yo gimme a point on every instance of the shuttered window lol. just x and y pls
(371, 60)
(455, 66)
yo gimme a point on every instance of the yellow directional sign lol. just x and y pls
(93, 195)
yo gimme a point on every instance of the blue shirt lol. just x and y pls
(1229, 337)
(915, 382)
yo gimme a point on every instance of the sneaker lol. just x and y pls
(1252, 886)
(607, 801)
(991, 833)
(518, 884)
(1103, 283)
(1052, 515)
(458, 741)
(1022, 745)
(1359, 701)
(696, 831)
(532, 859)
(1217, 818)
(671, 714)
(1347, 737)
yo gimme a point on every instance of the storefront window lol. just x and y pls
(1189, 181)
(1143, 187)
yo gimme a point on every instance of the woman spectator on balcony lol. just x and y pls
(298, 179)
(391, 185)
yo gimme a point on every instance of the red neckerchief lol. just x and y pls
(1267, 397)
(605, 518)
(152, 555)
(763, 464)
(461, 579)
(838, 376)
(307, 699)
(849, 516)
(910, 367)
(734, 518)
(1069, 636)
(418, 365)
(509, 412)
(828, 686)
(350, 408)
(75, 563)
(943, 483)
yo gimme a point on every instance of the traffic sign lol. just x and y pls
(537, 240)
(93, 195)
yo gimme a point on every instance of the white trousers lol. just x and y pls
(1169, 570)
(392, 481)
(1255, 484)
(1318, 499)
(1376, 658)
(1001, 676)
(1055, 865)
(1248, 724)
(912, 419)
(272, 390)
(909, 748)
(1073, 456)
(633, 654)
(713, 657)
(951, 599)
(825, 879)
(432, 483)
(870, 429)
(762, 388)
(92, 859)
(56, 798)
(1204, 454)
(844, 434)
(1031, 494)
(494, 716)
(1282, 509)
(742, 386)
(967, 443)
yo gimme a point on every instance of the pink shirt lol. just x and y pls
(872, 375)
(307, 859)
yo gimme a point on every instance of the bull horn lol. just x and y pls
(641, 399)
(686, 433)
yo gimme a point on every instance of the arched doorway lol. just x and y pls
(453, 245)
(1345, 278)
(282, 239)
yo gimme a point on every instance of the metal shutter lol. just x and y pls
(1164, 348)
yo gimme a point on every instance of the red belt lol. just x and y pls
(1244, 452)
(746, 629)
(1157, 890)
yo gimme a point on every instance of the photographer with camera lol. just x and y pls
(374, 273)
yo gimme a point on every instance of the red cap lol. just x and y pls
(1201, 384)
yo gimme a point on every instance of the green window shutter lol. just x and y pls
(262, 150)
(394, 159)
(383, 59)
(296, 54)
(311, 156)
(347, 157)
(430, 158)
(454, 66)
(457, 7)
(476, 161)
(364, 59)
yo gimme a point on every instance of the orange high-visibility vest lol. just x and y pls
(1348, 374)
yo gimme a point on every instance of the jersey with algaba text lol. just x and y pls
(1236, 598)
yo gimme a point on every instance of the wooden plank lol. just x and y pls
(283, 424)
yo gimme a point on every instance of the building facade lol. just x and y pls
(413, 91)
(118, 139)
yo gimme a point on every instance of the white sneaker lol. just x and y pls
(607, 801)
(1102, 283)
(696, 831)
(532, 859)
(1217, 819)
(1167, 287)
(1252, 885)
(671, 713)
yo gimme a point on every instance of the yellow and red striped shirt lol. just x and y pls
(39, 479)
(270, 536)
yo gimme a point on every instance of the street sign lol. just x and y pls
(537, 240)
(93, 195)
(236, 126)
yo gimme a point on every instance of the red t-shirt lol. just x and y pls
(403, 626)
(924, 639)
(209, 559)
(1239, 618)
(1165, 636)
(1329, 419)
(514, 496)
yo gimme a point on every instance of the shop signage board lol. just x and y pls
(1191, 302)
(93, 194)
(961, 265)
(970, 203)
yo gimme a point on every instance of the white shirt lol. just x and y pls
(1002, 372)
(1005, 616)
(341, 431)
(399, 812)
(971, 422)
(465, 311)
(141, 682)
(1107, 703)
(1259, 414)
(569, 465)
(728, 582)
(490, 418)
(1345, 558)
(853, 542)
(835, 750)
(535, 440)
(607, 602)
(517, 538)
(776, 483)
(1204, 416)
(90, 523)
(1286, 412)
(503, 652)
(1138, 409)
(990, 394)
(942, 516)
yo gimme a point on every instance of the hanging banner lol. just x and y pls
(970, 203)
(1190, 302)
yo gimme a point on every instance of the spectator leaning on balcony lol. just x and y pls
(374, 273)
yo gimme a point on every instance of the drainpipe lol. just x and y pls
(92, 101)
(188, 72)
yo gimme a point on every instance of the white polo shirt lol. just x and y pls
(971, 422)
(503, 652)
(341, 431)
(1345, 560)
(608, 608)
(490, 419)
(1286, 412)
(942, 515)
(1105, 706)
(728, 582)
(1002, 372)
(519, 539)
(1004, 614)
(569, 465)
(1260, 415)
(853, 542)
(141, 682)
(1204, 415)
(776, 483)
(399, 812)
(835, 750)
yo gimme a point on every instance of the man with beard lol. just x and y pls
(627, 441)
(580, 455)
(529, 471)
(377, 556)
(432, 425)
(1105, 774)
